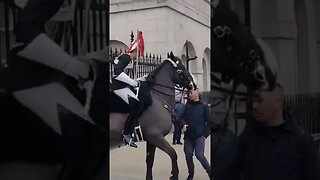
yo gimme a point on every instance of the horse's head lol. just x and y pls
(238, 56)
(181, 76)
(175, 70)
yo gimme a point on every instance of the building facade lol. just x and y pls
(167, 25)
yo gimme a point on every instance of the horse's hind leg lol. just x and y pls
(161, 143)
(150, 159)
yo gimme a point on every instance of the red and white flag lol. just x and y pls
(138, 42)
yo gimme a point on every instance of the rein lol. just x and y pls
(165, 105)
(168, 87)
(162, 92)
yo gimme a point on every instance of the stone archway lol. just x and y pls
(302, 45)
(191, 54)
(117, 44)
(206, 70)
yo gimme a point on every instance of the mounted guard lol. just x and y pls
(130, 94)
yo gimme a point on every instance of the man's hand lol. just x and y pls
(184, 128)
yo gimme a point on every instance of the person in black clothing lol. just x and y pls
(176, 116)
(196, 125)
(274, 148)
(130, 94)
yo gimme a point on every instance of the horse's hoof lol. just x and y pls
(149, 178)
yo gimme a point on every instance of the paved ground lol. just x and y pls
(129, 163)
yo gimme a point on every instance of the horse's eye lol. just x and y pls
(179, 71)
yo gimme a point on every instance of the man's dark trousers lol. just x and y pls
(177, 132)
(196, 146)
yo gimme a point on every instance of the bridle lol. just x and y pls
(187, 81)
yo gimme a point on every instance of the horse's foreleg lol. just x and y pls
(150, 159)
(161, 143)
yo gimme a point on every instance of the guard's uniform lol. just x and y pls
(121, 80)
(129, 94)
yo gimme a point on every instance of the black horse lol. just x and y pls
(238, 57)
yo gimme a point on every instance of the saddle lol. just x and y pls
(117, 105)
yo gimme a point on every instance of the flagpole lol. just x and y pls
(137, 59)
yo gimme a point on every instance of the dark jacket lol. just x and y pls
(196, 116)
(177, 111)
(277, 153)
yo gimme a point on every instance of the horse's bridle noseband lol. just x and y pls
(187, 80)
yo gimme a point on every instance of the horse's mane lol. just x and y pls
(153, 74)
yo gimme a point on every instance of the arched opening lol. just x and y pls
(205, 67)
(302, 45)
(204, 75)
(188, 50)
(115, 44)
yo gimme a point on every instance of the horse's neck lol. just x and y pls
(166, 92)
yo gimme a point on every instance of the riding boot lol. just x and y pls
(132, 121)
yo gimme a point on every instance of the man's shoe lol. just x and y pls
(128, 140)
(179, 143)
(189, 178)
(174, 143)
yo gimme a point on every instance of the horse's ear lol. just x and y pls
(168, 56)
(171, 55)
